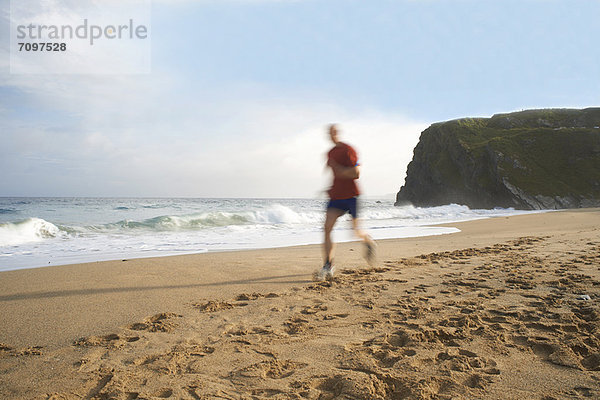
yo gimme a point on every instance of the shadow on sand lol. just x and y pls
(83, 292)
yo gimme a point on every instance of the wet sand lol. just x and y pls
(493, 312)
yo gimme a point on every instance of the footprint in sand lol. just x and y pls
(163, 393)
(311, 310)
(157, 323)
(243, 330)
(477, 381)
(109, 341)
(329, 317)
(183, 358)
(273, 369)
(255, 296)
(554, 352)
(8, 351)
(214, 306)
(356, 385)
(91, 361)
(591, 362)
(297, 325)
(462, 360)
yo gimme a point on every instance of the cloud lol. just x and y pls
(385, 144)
(121, 139)
(162, 134)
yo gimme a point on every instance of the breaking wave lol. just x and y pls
(277, 215)
(38, 229)
(67, 230)
(27, 231)
(274, 215)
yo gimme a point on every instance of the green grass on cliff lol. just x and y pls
(549, 162)
(540, 160)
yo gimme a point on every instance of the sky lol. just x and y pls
(241, 91)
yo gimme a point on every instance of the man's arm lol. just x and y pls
(344, 172)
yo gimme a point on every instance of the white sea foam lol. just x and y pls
(27, 231)
(41, 232)
(276, 214)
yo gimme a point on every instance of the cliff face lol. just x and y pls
(535, 159)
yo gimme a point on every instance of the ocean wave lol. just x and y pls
(410, 213)
(27, 231)
(273, 215)
(153, 206)
(174, 222)
(8, 211)
(280, 215)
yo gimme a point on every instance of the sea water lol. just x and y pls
(36, 232)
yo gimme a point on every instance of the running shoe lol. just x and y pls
(325, 273)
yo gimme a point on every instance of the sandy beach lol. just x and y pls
(505, 309)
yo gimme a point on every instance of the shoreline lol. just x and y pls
(195, 253)
(64, 233)
(343, 231)
(115, 276)
(47, 311)
(450, 224)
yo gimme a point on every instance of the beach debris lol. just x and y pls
(584, 297)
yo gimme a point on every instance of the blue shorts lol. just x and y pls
(346, 205)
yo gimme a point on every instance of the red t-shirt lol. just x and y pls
(343, 188)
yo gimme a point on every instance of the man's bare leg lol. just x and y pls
(330, 218)
(327, 271)
(369, 242)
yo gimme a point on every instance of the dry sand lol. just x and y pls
(488, 313)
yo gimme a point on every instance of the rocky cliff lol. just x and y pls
(535, 159)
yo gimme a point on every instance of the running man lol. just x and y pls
(343, 161)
